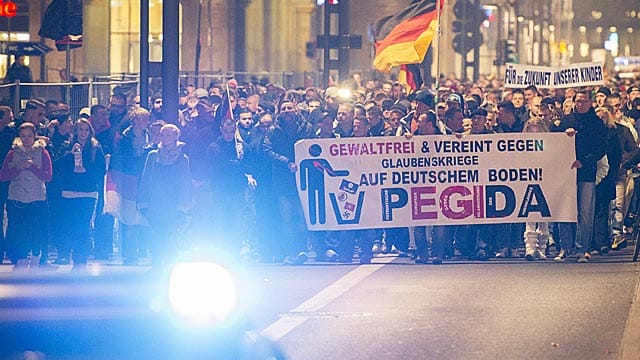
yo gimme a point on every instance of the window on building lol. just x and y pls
(125, 34)
(14, 29)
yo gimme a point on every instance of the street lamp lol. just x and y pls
(584, 45)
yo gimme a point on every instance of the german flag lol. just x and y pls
(410, 76)
(405, 37)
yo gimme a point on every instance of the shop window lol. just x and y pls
(6, 60)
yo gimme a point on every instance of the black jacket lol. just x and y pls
(591, 141)
(227, 168)
(19, 72)
(279, 146)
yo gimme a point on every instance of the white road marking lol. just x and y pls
(630, 346)
(285, 325)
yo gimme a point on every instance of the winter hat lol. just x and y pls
(604, 90)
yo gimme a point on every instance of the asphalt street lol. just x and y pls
(394, 309)
(506, 309)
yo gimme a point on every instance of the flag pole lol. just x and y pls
(229, 99)
(438, 37)
(236, 135)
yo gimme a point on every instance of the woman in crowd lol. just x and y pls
(27, 167)
(165, 194)
(81, 167)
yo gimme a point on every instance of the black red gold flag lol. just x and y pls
(410, 76)
(405, 37)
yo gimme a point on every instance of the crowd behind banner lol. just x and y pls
(223, 173)
(436, 180)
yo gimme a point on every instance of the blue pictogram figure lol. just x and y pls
(312, 180)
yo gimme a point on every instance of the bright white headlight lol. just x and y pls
(203, 293)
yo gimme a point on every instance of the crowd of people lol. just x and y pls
(223, 170)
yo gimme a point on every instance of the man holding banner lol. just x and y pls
(590, 145)
(289, 128)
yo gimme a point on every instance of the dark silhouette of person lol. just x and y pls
(19, 71)
(312, 180)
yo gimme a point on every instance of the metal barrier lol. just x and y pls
(289, 80)
(76, 94)
(99, 88)
(54, 73)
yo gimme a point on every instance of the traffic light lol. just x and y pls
(461, 8)
(459, 26)
(469, 18)
(464, 42)
(510, 52)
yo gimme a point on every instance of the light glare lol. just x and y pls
(344, 93)
(202, 292)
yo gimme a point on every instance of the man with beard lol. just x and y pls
(156, 108)
(118, 120)
(230, 176)
(289, 127)
(245, 125)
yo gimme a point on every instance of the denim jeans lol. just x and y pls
(586, 213)
(601, 235)
(618, 207)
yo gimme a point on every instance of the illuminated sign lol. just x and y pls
(8, 8)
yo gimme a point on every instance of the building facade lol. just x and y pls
(267, 37)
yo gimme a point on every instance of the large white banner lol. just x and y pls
(545, 77)
(381, 182)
